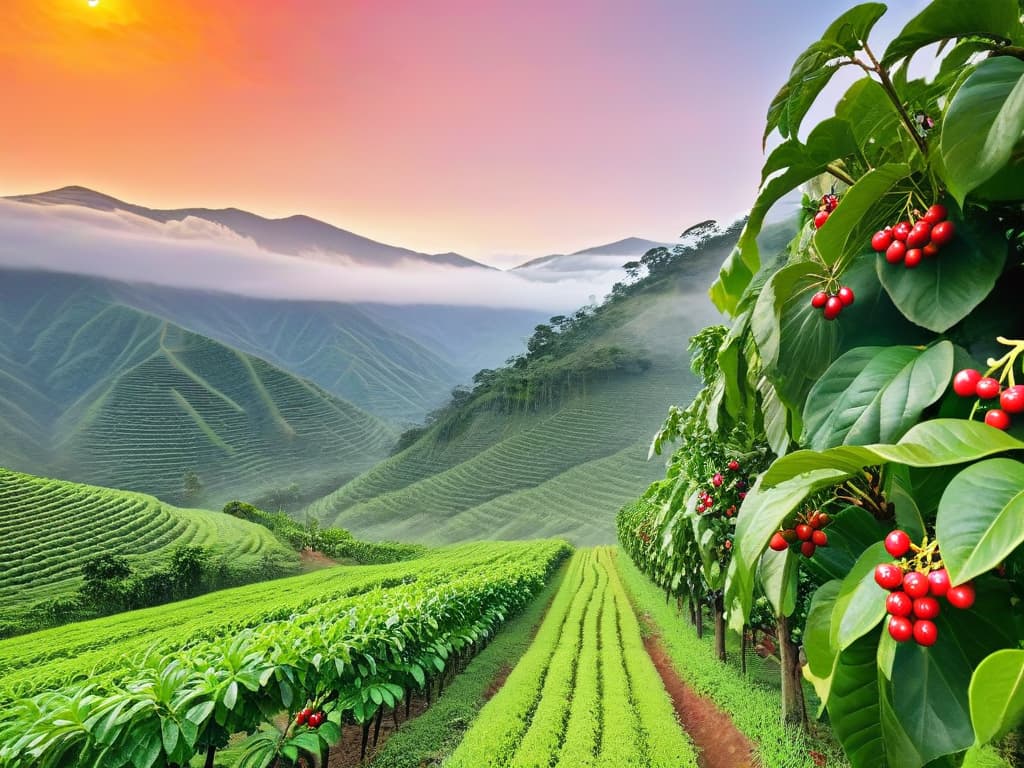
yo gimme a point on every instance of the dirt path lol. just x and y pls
(721, 744)
(345, 753)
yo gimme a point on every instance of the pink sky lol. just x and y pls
(501, 130)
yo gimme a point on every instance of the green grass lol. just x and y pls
(752, 704)
(49, 528)
(585, 693)
(47, 659)
(429, 738)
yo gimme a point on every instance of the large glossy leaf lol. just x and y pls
(875, 394)
(934, 443)
(861, 602)
(850, 226)
(930, 685)
(983, 124)
(900, 751)
(996, 695)
(981, 518)
(853, 704)
(795, 342)
(821, 653)
(778, 576)
(815, 67)
(944, 289)
(874, 121)
(930, 697)
(900, 492)
(945, 19)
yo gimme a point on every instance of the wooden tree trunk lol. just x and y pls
(720, 627)
(743, 652)
(700, 619)
(793, 711)
(211, 751)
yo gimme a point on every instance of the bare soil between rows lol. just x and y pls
(720, 742)
(346, 753)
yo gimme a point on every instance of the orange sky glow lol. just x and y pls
(495, 129)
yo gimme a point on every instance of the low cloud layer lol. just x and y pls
(198, 254)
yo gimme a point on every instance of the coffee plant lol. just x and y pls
(894, 415)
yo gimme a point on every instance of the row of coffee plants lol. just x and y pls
(896, 415)
(311, 671)
(586, 692)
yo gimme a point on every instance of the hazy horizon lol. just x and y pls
(500, 133)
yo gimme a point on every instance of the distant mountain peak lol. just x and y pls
(628, 247)
(296, 235)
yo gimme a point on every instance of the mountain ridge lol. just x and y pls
(295, 235)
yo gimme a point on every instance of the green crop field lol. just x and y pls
(586, 693)
(350, 639)
(98, 392)
(49, 528)
(47, 659)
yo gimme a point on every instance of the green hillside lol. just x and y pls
(102, 393)
(397, 363)
(49, 528)
(546, 445)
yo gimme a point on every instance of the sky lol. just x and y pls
(502, 130)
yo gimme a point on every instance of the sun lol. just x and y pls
(93, 3)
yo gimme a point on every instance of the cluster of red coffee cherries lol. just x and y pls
(914, 588)
(828, 204)
(706, 498)
(908, 243)
(971, 383)
(806, 535)
(831, 304)
(311, 717)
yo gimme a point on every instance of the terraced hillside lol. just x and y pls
(49, 528)
(552, 466)
(102, 393)
(397, 363)
(541, 474)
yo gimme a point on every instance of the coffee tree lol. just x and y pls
(879, 353)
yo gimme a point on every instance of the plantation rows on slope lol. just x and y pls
(53, 657)
(49, 528)
(102, 393)
(493, 472)
(589, 452)
(586, 693)
(560, 431)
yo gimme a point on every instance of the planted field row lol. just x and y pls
(49, 528)
(586, 693)
(54, 657)
(353, 657)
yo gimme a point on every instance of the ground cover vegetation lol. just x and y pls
(586, 692)
(880, 536)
